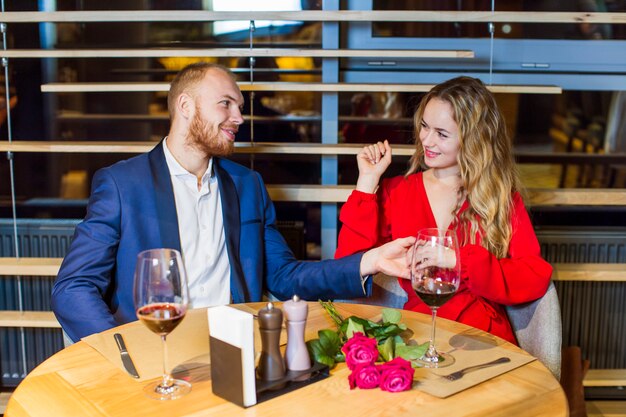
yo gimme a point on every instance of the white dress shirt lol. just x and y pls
(202, 236)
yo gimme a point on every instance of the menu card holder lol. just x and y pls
(233, 375)
(232, 355)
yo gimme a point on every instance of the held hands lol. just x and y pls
(391, 258)
(433, 255)
(373, 160)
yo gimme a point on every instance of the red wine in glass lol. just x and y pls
(435, 277)
(438, 297)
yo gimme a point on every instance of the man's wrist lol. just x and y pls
(368, 263)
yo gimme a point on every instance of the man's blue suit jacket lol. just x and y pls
(132, 209)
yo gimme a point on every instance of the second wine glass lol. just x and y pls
(435, 277)
(161, 299)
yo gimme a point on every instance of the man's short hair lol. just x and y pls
(188, 78)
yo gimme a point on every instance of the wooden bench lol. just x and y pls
(4, 400)
(605, 378)
(606, 408)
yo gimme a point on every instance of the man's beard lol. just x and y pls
(207, 139)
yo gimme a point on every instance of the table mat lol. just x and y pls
(187, 345)
(467, 350)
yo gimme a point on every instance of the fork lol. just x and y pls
(458, 374)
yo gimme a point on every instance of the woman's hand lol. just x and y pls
(428, 256)
(373, 160)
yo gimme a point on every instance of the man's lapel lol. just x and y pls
(165, 202)
(232, 228)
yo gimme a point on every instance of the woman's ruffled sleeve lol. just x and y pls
(521, 277)
(363, 225)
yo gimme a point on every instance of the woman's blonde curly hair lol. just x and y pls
(489, 176)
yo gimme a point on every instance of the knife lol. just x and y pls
(126, 360)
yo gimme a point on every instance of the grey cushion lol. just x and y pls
(537, 326)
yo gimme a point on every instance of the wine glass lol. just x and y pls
(435, 277)
(161, 298)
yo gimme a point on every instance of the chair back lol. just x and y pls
(537, 326)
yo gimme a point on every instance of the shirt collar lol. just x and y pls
(176, 169)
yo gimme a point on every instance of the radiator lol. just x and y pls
(592, 312)
(36, 238)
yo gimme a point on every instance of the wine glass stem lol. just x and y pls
(432, 352)
(167, 380)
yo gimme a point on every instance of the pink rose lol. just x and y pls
(364, 377)
(396, 375)
(360, 350)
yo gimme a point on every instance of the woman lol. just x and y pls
(462, 176)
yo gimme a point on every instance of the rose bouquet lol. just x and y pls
(361, 343)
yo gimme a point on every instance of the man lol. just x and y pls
(183, 195)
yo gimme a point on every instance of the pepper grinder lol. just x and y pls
(297, 355)
(271, 364)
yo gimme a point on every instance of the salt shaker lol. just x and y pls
(296, 356)
(271, 364)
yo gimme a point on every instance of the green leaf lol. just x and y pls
(326, 348)
(354, 327)
(366, 325)
(386, 349)
(330, 341)
(409, 352)
(391, 315)
(385, 331)
(316, 351)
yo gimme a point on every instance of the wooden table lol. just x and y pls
(78, 381)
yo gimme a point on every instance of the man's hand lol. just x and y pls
(391, 258)
(373, 160)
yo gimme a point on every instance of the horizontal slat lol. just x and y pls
(234, 52)
(537, 197)
(310, 193)
(314, 15)
(30, 266)
(562, 271)
(606, 408)
(589, 272)
(605, 378)
(76, 146)
(291, 118)
(576, 197)
(240, 147)
(28, 319)
(291, 148)
(127, 87)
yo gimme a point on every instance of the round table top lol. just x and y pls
(80, 381)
